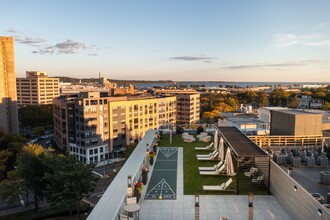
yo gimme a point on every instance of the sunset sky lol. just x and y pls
(253, 40)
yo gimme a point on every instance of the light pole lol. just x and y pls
(196, 206)
(250, 205)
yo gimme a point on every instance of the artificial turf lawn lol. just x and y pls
(193, 182)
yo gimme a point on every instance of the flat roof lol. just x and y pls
(241, 144)
(298, 112)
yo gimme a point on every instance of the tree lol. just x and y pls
(129, 149)
(232, 102)
(32, 116)
(210, 115)
(31, 168)
(278, 96)
(10, 146)
(11, 188)
(4, 159)
(68, 181)
(39, 131)
(293, 103)
(326, 106)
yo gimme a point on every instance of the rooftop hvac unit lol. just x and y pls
(302, 155)
(325, 177)
(310, 161)
(328, 198)
(280, 159)
(309, 153)
(295, 152)
(288, 156)
(322, 161)
(295, 161)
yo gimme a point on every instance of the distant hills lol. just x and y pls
(96, 80)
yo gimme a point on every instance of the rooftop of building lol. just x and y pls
(242, 118)
(274, 108)
(298, 112)
(211, 205)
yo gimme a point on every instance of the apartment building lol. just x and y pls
(8, 97)
(37, 89)
(188, 104)
(93, 126)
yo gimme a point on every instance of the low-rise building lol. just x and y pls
(307, 102)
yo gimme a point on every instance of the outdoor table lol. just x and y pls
(133, 210)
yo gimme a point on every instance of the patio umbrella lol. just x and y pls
(216, 139)
(229, 163)
(221, 149)
(323, 144)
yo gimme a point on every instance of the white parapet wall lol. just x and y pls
(113, 200)
(294, 198)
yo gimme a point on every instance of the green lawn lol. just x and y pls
(193, 182)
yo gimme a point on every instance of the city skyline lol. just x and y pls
(256, 41)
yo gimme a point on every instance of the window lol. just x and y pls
(91, 152)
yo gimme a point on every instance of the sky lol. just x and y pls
(180, 40)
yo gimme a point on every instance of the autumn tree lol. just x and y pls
(278, 96)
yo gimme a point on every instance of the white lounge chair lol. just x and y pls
(213, 157)
(189, 140)
(213, 168)
(214, 172)
(203, 134)
(207, 155)
(208, 147)
(205, 139)
(221, 187)
(259, 179)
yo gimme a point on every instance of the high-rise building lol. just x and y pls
(94, 126)
(37, 89)
(8, 97)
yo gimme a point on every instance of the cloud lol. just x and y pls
(12, 31)
(66, 47)
(286, 40)
(29, 40)
(275, 65)
(319, 43)
(192, 58)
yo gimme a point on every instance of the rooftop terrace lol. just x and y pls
(212, 205)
